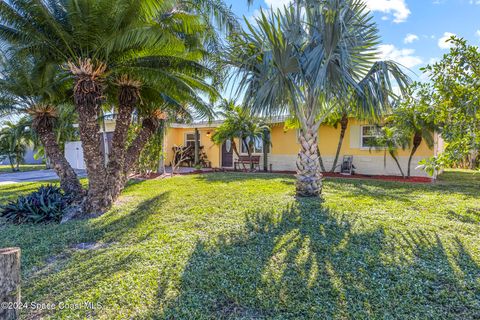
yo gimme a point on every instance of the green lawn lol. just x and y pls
(240, 246)
(23, 167)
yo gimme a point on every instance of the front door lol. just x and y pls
(227, 155)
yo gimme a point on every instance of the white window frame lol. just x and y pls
(185, 140)
(362, 136)
(255, 150)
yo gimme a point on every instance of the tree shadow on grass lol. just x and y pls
(310, 263)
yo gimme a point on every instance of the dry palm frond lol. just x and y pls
(42, 110)
(43, 115)
(129, 90)
(159, 115)
(86, 68)
(126, 81)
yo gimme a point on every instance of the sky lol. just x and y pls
(413, 32)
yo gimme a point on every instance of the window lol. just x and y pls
(257, 145)
(369, 135)
(190, 139)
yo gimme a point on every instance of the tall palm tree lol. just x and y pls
(128, 48)
(41, 94)
(306, 60)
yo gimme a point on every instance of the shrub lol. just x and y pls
(47, 204)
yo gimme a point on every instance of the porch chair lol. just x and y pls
(347, 167)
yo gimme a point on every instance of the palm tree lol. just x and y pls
(134, 50)
(41, 94)
(413, 117)
(240, 124)
(15, 138)
(391, 138)
(306, 60)
(360, 109)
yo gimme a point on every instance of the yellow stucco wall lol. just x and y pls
(285, 142)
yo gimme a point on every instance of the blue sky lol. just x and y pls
(412, 31)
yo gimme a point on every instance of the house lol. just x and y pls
(284, 148)
(282, 153)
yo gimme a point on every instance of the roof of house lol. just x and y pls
(217, 123)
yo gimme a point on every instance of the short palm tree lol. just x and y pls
(413, 116)
(40, 94)
(15, 138)
(307, 60)
(126, 51)
(390, 139)
(240, 124)
(360, 108)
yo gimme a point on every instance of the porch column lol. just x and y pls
(197, 146)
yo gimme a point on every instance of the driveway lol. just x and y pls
(33, 176)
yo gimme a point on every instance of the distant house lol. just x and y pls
(284, 148)
(28, 158)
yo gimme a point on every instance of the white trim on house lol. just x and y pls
(366, 165)
(246, 153)
(217, 123)
(362, 136)
(185, 137)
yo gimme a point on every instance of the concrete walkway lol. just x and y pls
(33, 176)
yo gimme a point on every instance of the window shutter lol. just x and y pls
(355, 137)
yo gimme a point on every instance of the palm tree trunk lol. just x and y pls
(128, 98)
(343, 129)
(17, 164)
(197, 148)
(12, 163)
(309, 176)
(320, 160)
(161, 161)
(417, 140)
(68, 178)
(149, 127)
(398, 164)
(87, 97)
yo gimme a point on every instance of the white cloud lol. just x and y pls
(443, 41)
(409, 38)
(405, 57)
(477, 33)
(276, 4)
(398, 8)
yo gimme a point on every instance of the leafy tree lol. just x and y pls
(141, 54)
(240, 124)
(432, 166)
(307, 60)
(455, 93)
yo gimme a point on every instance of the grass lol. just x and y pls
(23, 168)
(240, 246)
